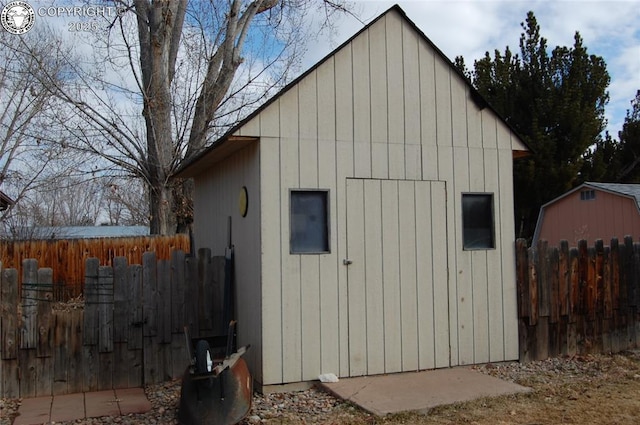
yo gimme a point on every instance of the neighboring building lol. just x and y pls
(591, 211)
(5, 201)
(79, 232)
(371, 204)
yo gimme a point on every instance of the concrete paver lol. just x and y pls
(420, 391)
(67, 407)
(70, 407)
(34, 411)
(132, 400)
(101, 403)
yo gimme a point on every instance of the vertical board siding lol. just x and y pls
(507, 253)
(329, 264)
(357, 311)
(370, 124)
(343, 110)
(271, 318)
(411, 120)
(425, 278)
(395, 96)
(362, 107)
(408, 283)
(374, 300)
(290, 264)
(391, 277)
(379, 102)
(464, 283)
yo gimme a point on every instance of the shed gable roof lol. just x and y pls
(231, 142)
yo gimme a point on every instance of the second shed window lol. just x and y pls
(477, 221)
(309, 222)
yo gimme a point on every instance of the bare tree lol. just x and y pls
(24, 151)
(122, 204)
(193, 68)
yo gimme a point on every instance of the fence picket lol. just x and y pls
(9, 313)
(122, 300)
(564, 279)
(150, 314)
(105, 309)
(29, 331)
(43, 312)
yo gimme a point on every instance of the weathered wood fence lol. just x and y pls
(579, 300)
(66, 257)
(128, 332)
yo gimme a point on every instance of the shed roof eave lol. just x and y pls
(217, 152)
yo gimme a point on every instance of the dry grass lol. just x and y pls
(601, 389)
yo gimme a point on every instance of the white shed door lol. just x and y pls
(397, 276)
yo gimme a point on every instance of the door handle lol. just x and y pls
(346, 261)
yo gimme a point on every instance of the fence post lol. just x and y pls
(150, 324)
(44, 362)
(533, 287)
(91, 326)
(564, 272)
(29, 332)
(555, 334)
(563, 296)
(522, 276)
(9, 383)
(136, 322)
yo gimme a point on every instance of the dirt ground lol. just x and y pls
(592, 389)
(599, 389)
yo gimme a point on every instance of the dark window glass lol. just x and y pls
(587, 195)
(309, 222)
(477, 221)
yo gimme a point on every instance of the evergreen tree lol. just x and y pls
(602, 161)
(628, 152)
(555, 101)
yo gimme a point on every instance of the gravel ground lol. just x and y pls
(315, 406)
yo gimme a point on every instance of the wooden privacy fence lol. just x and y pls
(66, 257)
(128, 332)
(579, 300)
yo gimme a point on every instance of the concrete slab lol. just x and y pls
(34, 411)
(132, 400)
(419, 391)
(101, 403)
(71, 407)
(68, 407)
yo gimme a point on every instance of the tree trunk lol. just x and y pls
(163, 219)
(159, 28)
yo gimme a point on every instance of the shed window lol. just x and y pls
(309, 222)
(477, 221)
(587, 195)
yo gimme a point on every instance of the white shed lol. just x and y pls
(378, 234)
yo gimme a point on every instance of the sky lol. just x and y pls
(609, 28)
(469, 28)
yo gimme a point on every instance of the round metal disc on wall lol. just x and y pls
(243, 201)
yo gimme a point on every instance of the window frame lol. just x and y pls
(491, 197)
(327, 223)
(587, 195)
